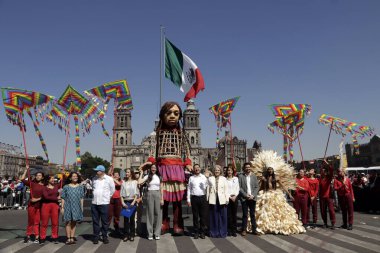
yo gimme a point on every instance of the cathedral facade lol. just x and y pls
(128, 155)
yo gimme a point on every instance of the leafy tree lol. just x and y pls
(89, 163)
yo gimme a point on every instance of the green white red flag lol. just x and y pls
(182, 71)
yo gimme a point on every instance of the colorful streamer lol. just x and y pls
(16, 101)
(222, 112)
(116, 90)
(77, 140)
(37, 130)
(290, 121)
(84, 111)
(343, 127)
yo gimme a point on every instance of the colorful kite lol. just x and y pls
(343, 127)
(16, 101)
(290, 120)
(84, 111)
(120, 93)
(222, 113)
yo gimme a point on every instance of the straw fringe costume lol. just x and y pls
(273, 213)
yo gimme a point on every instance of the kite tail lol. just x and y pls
(38, 132)
(77, 140)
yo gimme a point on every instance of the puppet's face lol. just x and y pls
(171, 117)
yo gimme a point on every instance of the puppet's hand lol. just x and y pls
(189, 167)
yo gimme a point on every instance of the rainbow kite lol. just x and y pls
(120, 93)
(84, 111)
(343, 127)
(222, 113)
(290, 120)
(16, 101)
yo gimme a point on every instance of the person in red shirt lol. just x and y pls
(313, 193)
(115, 206)
(346, 198)
(50, 209)
(34, 205)
(326, 194)
(301, 196)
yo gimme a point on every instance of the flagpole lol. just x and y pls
(162, 51)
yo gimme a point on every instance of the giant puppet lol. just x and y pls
(172, 158)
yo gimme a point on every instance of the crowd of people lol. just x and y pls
(261, 188)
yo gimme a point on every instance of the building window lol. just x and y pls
(192, 139)
(121, 141)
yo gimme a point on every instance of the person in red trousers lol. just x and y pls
(50, 209)
(346, 198)
(115, 206)
(326, 194)
(313, 193)
(34, 206)
(301, 196)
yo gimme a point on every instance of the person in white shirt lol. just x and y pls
(128, 195)
(249, 187)
(233, 192)
(196, 198)
(218, 198)
(155, 201)
(103, 189)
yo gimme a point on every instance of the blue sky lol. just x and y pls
(325, 53)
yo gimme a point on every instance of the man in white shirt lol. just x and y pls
(196, 198)
(103, 188)
(249, 188)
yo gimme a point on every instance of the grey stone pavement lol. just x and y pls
(365, 237)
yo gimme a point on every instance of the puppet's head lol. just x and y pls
(170, 115)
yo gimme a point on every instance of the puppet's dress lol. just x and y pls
(275, 216)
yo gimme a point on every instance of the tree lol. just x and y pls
(89, 163)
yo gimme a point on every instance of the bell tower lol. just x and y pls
(191, 124)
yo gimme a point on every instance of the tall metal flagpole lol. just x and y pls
(162, 51)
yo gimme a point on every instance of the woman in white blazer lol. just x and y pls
(218, 198)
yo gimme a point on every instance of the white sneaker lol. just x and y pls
(150, 238)
(157, 238)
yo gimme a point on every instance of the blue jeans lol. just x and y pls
(100, 212)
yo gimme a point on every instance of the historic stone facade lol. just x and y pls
(369, 154)
(132, 156)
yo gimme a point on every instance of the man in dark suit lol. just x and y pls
(249, 187)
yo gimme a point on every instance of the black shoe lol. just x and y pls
(105, 240)
(349, 227)
(332, 227)
(42, 241)
(344, 226)
(55, 240)
(324, 226)
(196, 236)
(234, 234)
(202, 236)
(26, 239)
(95, 241)
(254, 232)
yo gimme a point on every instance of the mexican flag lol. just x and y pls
(182, 71)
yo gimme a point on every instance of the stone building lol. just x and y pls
(369, 154)
(128, 155)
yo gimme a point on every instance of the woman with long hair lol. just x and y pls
(50, 209)
(154, 201)
(218, 199)
(233, 192)
(128, 197)
(115, 206)
(72, 205)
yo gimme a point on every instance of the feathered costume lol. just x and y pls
(273, 213)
